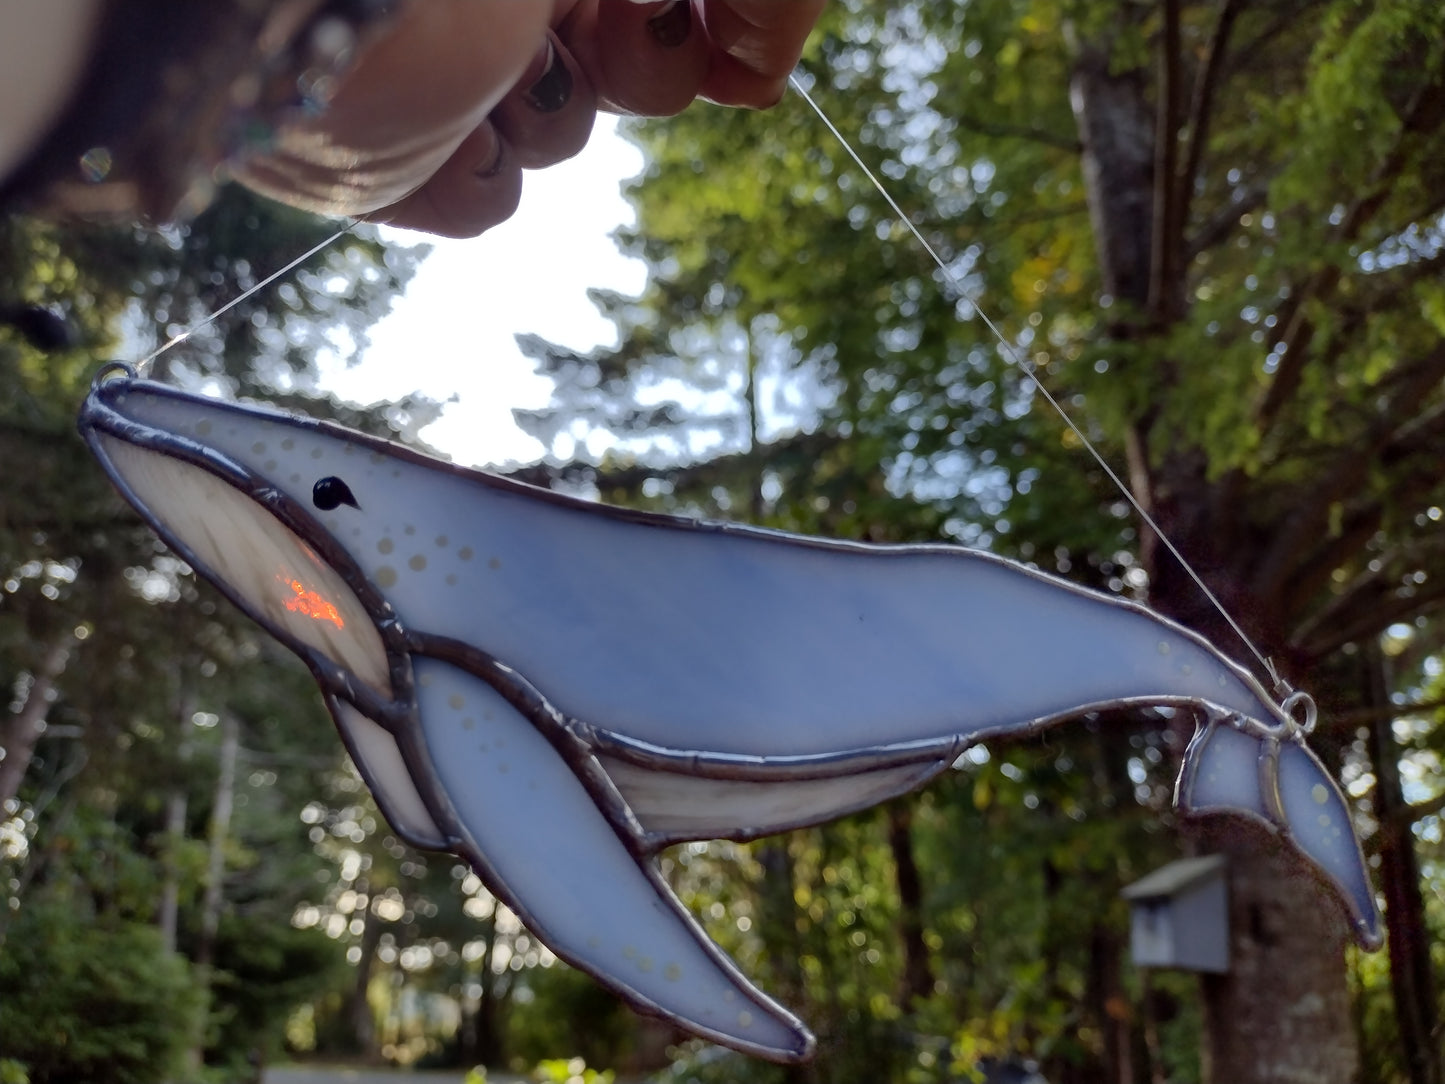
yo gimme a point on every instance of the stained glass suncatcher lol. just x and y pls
(555, 690)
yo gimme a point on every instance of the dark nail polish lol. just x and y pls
(550, 93)
(672, 24)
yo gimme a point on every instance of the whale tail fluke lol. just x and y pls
(1240, 766)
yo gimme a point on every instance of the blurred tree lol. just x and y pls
(108, 764)
(90, 997)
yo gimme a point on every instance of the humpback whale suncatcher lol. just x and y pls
(555, 690)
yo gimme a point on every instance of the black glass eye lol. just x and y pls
(331, 492)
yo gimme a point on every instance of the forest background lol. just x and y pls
(1215, 231)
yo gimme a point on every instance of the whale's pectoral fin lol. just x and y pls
(1240, 766)
(379, 760)
(673, 806)
(535, 833)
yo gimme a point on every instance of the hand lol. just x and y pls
(433, 126)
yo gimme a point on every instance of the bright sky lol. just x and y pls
(453, 332)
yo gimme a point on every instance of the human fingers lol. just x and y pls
(755, 46)
(546, 118)
(647, 58)
(477, 188)
(410, 103)
(549, 114)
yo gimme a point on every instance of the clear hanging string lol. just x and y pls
(1017, 359)
(1011, 352)
(142, 367)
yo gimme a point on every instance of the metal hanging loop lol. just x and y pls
(113, 370)
(1301, 715)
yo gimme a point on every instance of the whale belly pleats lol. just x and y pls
(673, 807)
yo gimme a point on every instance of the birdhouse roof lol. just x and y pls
(1175, 878)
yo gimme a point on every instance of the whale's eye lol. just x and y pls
(331, 492)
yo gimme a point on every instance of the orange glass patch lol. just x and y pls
(310, 604)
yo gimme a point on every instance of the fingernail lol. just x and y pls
(550, 92)
(672, 24)
(492, 168)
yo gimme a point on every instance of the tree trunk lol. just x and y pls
(1282, 1013)
(487, 1033)
(17, 740)
(777, 911)
(1150, 1016)
(778, 917)
(168, 917)
(1116, 130)
(1411, 981)
(917, 970)
(214, 896)
(171, 888)
(358, 1005)
(1108, 1004)
(486, 1036)
(220, 830)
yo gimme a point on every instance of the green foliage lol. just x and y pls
(704, 1064)
(155, 658)
(570, 1071)
(568, 1011)
(92, 1000)
(266, 969)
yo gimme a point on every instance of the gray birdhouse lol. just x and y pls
(1179, 916)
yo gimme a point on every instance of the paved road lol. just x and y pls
(306, 1075)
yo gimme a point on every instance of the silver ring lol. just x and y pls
(1304, 725)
